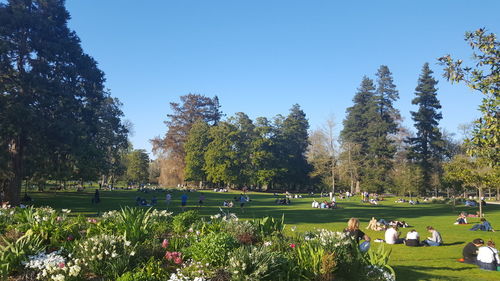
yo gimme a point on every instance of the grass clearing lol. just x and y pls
(422, 263)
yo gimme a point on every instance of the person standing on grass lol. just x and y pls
(201, 199)
(487, 257)
(168, 198)
(435, 239)
(470, 250)
(97, 197)
(243, 200)
(184, 199)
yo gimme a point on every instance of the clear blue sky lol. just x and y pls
(261, 57)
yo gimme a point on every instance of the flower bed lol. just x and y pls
(150, 245)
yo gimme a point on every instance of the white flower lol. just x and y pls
(132, 253)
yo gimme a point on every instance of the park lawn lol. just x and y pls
(422, 263)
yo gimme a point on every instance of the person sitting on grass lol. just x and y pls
(392, 236)
(483, 226)
(315, 204)
(462, 219)
(412, 238)
(469, 253)
(354, 232)
(435, 239)
(487, 257)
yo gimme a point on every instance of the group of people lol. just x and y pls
(393, 236)
(144, 202)
(283, 201)
(324, 204)
(484, 225)
(484, 255)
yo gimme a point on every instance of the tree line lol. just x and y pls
(58, 122)
(374, 151)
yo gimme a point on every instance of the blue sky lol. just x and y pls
(261, 57)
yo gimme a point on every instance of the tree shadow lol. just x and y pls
(454, 243)
(422, 273)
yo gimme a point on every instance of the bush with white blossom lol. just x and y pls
(53, 266)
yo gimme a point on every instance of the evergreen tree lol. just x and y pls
(381, 145)
(193, 107)
(358, 130)
(294, 142)
(426, 148)
(56, 117)
(137, 166)
(196, 146)
(264, 154)
(221, 156)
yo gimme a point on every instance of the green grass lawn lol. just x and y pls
(422, 263)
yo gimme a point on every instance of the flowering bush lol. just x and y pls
(105, 255)
(193, 270)
(151, 245)
(257, 263)
(53, 266)
(13, 253)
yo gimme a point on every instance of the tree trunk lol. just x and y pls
(498, 193)
(358, 189)
(489, 193)
(333, 178)
(13, 192)
(480, 203)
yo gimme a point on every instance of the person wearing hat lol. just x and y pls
(469, 252)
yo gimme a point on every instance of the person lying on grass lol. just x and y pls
(483, 226)
(376, 225)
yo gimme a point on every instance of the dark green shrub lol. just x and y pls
(213, 248)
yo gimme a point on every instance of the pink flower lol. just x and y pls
(92, 220)
(61, 265)
(292, 246)
(164, 244)
(70, 238)
(178, 260)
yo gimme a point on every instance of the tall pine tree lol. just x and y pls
(381, 145)
(426, 148)
(358, 130)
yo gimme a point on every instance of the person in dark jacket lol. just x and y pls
(469, 252)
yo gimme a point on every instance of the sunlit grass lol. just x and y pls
(424, 263)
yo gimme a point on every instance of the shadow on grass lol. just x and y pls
(404, 273)
(454, 243)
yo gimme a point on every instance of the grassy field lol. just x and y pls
(423, 263)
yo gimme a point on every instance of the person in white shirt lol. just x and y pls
(412, 238)
(392, 236)
(487, 257)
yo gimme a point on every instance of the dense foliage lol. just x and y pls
(57, 121)
(142, 244)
